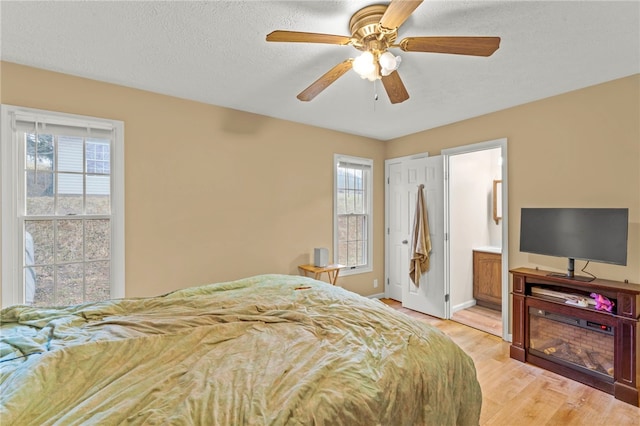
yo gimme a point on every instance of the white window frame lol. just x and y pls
(13, 291)
(368, 266)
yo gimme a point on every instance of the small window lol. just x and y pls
(353, 224)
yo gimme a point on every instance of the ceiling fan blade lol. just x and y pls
(395, 88)
(323, 82)
(302, 37)
(397, 12)
(475, 46)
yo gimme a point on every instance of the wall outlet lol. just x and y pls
(375, 283)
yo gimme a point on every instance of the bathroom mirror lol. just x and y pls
(497, 201)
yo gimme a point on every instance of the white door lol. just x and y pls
(397, 230)
(429, 295)
(404, 177)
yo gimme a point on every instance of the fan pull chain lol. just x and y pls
(375, 94)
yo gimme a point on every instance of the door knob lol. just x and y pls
(405, 242)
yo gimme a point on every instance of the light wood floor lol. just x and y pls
(484, 319)
(519, 394)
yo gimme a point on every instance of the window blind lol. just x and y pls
(61, 127)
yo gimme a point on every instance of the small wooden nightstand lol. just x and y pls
(331, 270)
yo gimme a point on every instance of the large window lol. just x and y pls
(62, 208)
(353, 223)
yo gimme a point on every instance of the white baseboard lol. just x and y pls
(376, 296)
(462, 306)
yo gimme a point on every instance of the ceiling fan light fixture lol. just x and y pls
(388, 63)
(364, 65)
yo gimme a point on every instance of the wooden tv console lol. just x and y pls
(623, 320)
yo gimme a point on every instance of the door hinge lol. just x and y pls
(388, 181)
(446, 236)
(388, 231)
(446, 297)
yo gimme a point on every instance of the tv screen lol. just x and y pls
(596, 234)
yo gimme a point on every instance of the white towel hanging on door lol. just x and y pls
(421, 241)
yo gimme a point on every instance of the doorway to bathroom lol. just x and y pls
(478, 268)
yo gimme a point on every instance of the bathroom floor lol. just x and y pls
(481, 318)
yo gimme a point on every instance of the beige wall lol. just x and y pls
(214, 194)
(580, 149)
(211, 194)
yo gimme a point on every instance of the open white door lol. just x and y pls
(404, 175)
(429, 296)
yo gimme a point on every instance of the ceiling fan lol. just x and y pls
(374, 30)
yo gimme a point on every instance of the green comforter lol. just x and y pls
(266, 350)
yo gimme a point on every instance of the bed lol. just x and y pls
(265, 350)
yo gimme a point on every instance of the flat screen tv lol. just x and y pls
(593, 234)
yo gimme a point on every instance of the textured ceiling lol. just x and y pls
(215, 52)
